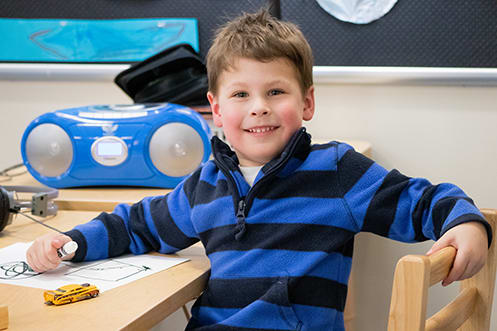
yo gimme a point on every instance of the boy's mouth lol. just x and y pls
(262, 129)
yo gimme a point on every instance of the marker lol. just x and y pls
(68, 248)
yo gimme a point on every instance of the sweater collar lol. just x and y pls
(298, 146)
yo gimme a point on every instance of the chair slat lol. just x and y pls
(454, 314)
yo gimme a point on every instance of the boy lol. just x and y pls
(276, 215)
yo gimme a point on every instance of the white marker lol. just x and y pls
(68, 248)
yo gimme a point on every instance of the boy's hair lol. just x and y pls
(261, 37)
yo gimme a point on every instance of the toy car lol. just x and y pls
(70, 293)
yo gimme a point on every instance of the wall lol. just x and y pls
(441, 133)
(444, 133)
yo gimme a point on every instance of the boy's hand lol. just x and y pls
(42, 255)
(471, 242)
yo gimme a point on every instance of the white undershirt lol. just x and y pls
(249, 173)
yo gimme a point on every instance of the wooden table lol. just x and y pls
(135, 306)
(138, 305)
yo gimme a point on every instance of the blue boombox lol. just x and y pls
(154, 145)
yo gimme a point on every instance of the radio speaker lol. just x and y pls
(176, 149)
(49, 150)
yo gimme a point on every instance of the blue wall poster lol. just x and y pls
(94, 41)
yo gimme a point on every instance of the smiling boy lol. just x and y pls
(260, 105)
(279, 238)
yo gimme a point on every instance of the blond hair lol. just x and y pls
(261, 37)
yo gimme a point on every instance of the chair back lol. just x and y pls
(469, 311)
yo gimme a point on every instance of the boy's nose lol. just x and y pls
(260, 109)
(260, 112)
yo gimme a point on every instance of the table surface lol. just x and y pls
(135, 306)
(138, 305)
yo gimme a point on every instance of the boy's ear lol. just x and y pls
(216, 114)
(309, 104)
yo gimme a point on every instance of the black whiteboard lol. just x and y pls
(418, 33)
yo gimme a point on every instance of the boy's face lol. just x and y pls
(260, 106)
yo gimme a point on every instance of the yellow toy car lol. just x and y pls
(70, 293)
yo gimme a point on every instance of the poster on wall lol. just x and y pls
(92, 41)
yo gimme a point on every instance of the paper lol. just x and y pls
(105, 274)
(357, 11)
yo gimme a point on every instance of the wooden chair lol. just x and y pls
(469, 311)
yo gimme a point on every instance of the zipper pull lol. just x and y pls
(240, 213)
(240, 227)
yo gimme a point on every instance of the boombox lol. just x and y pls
(154, 145)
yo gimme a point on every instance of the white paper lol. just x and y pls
(357, 11)
(105, 274)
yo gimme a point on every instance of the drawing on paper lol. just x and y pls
(109, 270)
(105, 274)
(16, 270)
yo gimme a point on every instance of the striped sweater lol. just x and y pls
(281, 250)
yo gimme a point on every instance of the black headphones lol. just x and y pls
(41, 203)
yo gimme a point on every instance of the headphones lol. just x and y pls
(41, 203)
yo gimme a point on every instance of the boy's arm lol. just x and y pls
(393, 205)
(156, 223)
(159, 223)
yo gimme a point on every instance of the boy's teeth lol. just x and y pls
(258, 130)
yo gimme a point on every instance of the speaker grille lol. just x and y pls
(49, 150)
(176, 149)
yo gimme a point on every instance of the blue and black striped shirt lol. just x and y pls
(281, 250)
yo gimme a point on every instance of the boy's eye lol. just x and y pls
(240, 94)
(275, 92)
